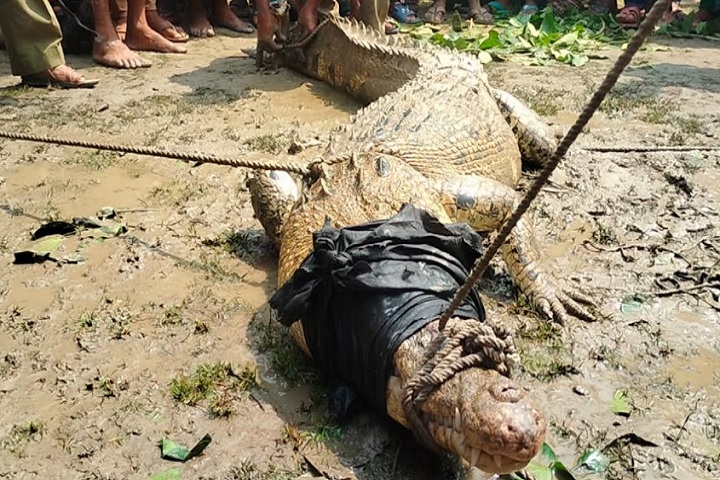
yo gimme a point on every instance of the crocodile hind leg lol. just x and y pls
(537, 143)
(485, 204)
(272, 194)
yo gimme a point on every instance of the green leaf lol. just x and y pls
(172, 474)
(39, 250)
(561, 472)
(620, 405)
(457, 25)
(173, 451)
(547, 452)
(170, 450)
(633, 303)
(492, 41)
(539, 471)
(594, 460)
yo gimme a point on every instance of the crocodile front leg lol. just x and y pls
(485, 204)
(535, 140)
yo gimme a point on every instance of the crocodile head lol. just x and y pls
(480, 415)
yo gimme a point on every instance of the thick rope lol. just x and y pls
(651, 149)
(308, 38)
(293, 167)
(469, 344)
(476, 344)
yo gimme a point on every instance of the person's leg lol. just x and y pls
(707, 10)
(223, 16)
(162, 25)
(32, 38)
(199, 23)
(108, 48)
(141, 37)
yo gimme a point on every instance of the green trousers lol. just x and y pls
(32, 36)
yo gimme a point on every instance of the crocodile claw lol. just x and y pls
(557, 305)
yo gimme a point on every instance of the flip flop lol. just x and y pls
(180, 35)
(40, 81)
(498, 9)
(404, 14)
(482, 16)
(434, 15)
(528, 10)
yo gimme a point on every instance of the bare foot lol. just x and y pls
(224, 17)
(146, 39)
(199, 23)
(116, 54)
(61, 76)
(165, 28)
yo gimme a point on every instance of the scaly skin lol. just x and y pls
(436, 135)
(479, 415)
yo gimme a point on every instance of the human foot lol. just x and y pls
(199, 24)
(146, 39)
(61, 76)
(165, 28)
(224, 17)
(116, 54)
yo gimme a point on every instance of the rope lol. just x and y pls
(293, 167)
(645, 29)
(469, 344)
(475, 344)
(650, 149)
(305, 41)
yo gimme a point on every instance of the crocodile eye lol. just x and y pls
(382, 166)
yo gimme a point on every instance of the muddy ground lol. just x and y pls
(163, 330)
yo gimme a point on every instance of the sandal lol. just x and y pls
(404, 14)
(630, 17)
(482, 16)
(435, 15)
(528, 10)
(498, 9)
(48, 79)
(391, 28)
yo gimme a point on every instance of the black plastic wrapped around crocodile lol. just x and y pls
(365, 289)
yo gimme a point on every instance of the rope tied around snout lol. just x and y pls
(464, 344)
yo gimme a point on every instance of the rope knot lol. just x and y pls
(461, 345)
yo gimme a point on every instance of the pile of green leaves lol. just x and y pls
(540, 39)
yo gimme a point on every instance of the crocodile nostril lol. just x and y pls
(506, 392)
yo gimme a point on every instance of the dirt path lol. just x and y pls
(101, 359)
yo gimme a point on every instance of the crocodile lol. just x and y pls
(433, 134)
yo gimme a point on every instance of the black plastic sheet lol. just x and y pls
(365, 289)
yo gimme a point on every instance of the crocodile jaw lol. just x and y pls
(486, 419)
(478, 414)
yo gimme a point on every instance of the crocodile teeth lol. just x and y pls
(458, 439)
(498, 460)
(457, 425)
(474, 456)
